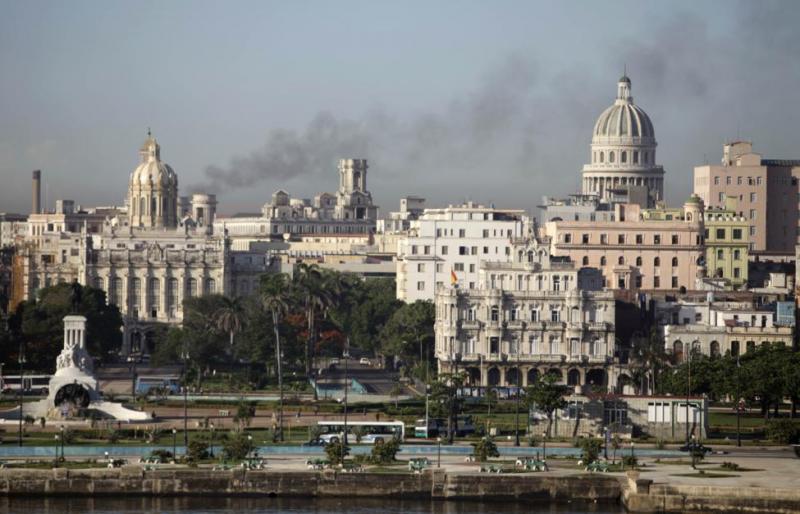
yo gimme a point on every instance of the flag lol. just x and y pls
(453, 278)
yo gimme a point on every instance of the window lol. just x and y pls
(413, 249)
(674, 262)
(610, 156)
(553, 345)
(191, 288)
(636, 156)
(734, 348)
(534, 314)
(737, 254)
(674, 282)
(720, 255)
(585, 239)
(752, 214)
(444, 250)
(116, 292)
(426, 250)
(752, 197)
(603, 260)
(716, 181)
(556, 283)
(555, 315)
(737, 233)
(439, 267)
(638, 261)
(674, 239)
(463, 250)
(585, 261)
(720, 233)
(462, 232)
(152, 296)
(603, 239)
(458, 266)
(758, 180)
(638, 281)
(512, 314)
(494, 345)
(472, 268)
(657, 239)
(172, 296)
(485, 249)
(621, 260)
(533, 345)
(621, 239)
(567, 238)
(495, 314)
(211, 286)
(639, 239)
(752, 231)
(656, 282)
(473, 250)
(421, 267)
(420, 286)
(728, 180)
(659, 412)
(736, 273)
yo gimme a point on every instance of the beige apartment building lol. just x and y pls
(639, 249)
(766, 191)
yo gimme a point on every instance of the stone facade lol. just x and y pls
(727, 246)
(638, 249)
(528, 317)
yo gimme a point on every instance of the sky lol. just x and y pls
(490, 101)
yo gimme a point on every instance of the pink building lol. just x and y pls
(639, 249)
(766, 191)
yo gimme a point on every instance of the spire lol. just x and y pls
(624, 88)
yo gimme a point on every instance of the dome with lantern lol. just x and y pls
(153, 189)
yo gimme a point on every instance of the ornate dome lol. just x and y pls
(152, 171)
(624, 119)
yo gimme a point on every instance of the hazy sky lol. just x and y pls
(492, 101)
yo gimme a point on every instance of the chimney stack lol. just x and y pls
(36, 208)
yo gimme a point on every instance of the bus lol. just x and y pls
(168, 384)
(371, 431)
(33, 384)
(438, 427)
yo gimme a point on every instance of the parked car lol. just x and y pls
(364, 361)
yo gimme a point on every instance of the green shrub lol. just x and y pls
(660, 444)
(731, 466)
(198, 450)
(337, 452)
(112, 435)
(385, 453)
(484, 449)
(164, 455)
(630, 461)
(782, 431)
(533, 441)
(237, 447)
(590, 449)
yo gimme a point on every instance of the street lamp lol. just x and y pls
(519, 391)
(249, 444)
(132, 368)
(605, 443)
(346, 356)
(738, 405)
(62, 442)
(213, 428)
(688, 387)
(174, 443)
(693, 450)
(185, 357)
(632, 455)
(439, 452)
(544, 445)
(21, 359)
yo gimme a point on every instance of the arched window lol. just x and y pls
(638, 261)
(734, 348)
(657, 262)
(636, 156)
(603, 260)
(674, 262)
(585, 260)
(495, 314)
(714, 349)
(191, 288)
(136, 294)
(602, 156)
(574, 377)
(98, 282)
(153, 290)
(493, 376)
(533, 376)
(623, 157)
(610, 156)
(115, 295)
(621, 260)
(211, 286)
(677, 350)
(142, 205)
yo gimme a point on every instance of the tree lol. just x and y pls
(316, 295)
(274, 300)
(237, 447)
(230, 316)
(40, 323)
(409, 333)
(485, 449)
(546, 395)
(445, 400)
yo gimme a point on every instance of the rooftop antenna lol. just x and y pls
(148, 132)
(625, 69)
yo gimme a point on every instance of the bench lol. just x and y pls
(417, 465)
(351, 467)
(317, 464)
(491, 468)
(254, 464)
(532, 464)
(597, 467)
(221, 467)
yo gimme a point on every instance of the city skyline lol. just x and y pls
(242, 114)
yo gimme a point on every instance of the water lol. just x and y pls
(198, 505)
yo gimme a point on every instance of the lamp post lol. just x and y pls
(738, 404)
(346, 356)
(605, 443)
(185, 357)
(439, 452)
(174, 443)
(57, 439)
(213, 430)
(21, 359)
(132, 368)
(693, 450)
(62, 442)
(688, 388)
(544, 445)
(516, 407)
(632, 454)
(249, 445)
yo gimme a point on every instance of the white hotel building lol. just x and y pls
(454, 239)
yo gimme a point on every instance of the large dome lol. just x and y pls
(151, 171)
(624, 119)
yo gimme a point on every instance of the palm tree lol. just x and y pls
(317, 295)
(230, 317)
(275, 300)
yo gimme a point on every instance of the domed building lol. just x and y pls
(623, 150)
(153, 190)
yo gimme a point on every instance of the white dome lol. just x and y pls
(152, 172)
(623, 119)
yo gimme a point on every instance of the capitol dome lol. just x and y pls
(624, 119)
(623, 152)
(153, 189)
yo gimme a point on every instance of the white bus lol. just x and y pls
(371, 432)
